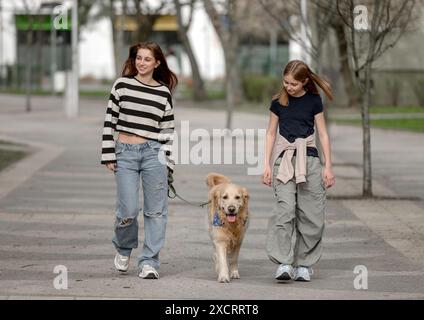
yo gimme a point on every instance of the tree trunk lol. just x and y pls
(345, 69)
(231, 53)
(199, 93)
(228, 35)
(119, 44)
(144, 26)
(366, 140)
(115, 37)
(229, 97)
(234, 93)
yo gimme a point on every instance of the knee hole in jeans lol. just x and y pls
(154, 214)
(126, 222)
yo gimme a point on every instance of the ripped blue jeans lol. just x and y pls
(135, 162)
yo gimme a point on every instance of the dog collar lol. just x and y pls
(216, 220)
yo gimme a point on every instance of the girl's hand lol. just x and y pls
(328, 176)
(266, 177)
(111, 166)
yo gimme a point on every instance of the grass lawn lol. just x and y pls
(8, 157)
(416, 124)
(36, 92)
(390, 109)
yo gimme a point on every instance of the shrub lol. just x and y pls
(260, 88)
(419, 91)
(393, 90)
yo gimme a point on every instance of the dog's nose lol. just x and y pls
(231, 209)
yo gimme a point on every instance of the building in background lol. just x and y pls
(50, 49)
(96, 44)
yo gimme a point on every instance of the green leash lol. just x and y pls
(171, 189)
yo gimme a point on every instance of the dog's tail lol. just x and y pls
(212, 179)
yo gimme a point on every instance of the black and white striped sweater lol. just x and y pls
(141, 109)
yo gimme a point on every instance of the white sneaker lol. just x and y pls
(122, 262)
(284, 272)
(148, 272)
(303, 274)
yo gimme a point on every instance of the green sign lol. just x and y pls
(40, 22)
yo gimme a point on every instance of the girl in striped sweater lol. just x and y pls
(136, 144)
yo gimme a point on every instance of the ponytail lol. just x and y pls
(323, 84)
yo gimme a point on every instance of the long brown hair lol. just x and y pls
(161, 74)
(300, 72)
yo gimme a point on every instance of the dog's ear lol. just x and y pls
(210, 181)
(213, 179)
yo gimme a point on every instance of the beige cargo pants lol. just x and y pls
(296, 226)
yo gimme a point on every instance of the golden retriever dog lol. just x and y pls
(228, 221)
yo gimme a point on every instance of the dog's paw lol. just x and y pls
(223, 278)
(235, 274)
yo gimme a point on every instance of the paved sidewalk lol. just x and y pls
(57, 208)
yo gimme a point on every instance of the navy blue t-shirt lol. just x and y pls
(297, 119)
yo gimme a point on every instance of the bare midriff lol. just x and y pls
(130, 138)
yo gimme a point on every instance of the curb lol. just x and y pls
(17, 173)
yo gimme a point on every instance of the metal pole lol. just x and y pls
(73, 104)
(53, 66)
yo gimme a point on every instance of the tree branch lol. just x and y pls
(215, 19)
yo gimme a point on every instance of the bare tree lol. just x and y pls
(366, 43)
(322, 16)
(119, 34)
(109, 8)
(289, 17)
(198, 84)
(223, 15)
(145, 16)
(346, 72)
(116, 11)
(142, 13)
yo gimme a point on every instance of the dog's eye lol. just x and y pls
(225, 197)
(237, 197)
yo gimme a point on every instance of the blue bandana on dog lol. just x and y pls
(216, 221)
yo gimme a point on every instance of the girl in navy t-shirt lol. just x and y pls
(295, 229)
